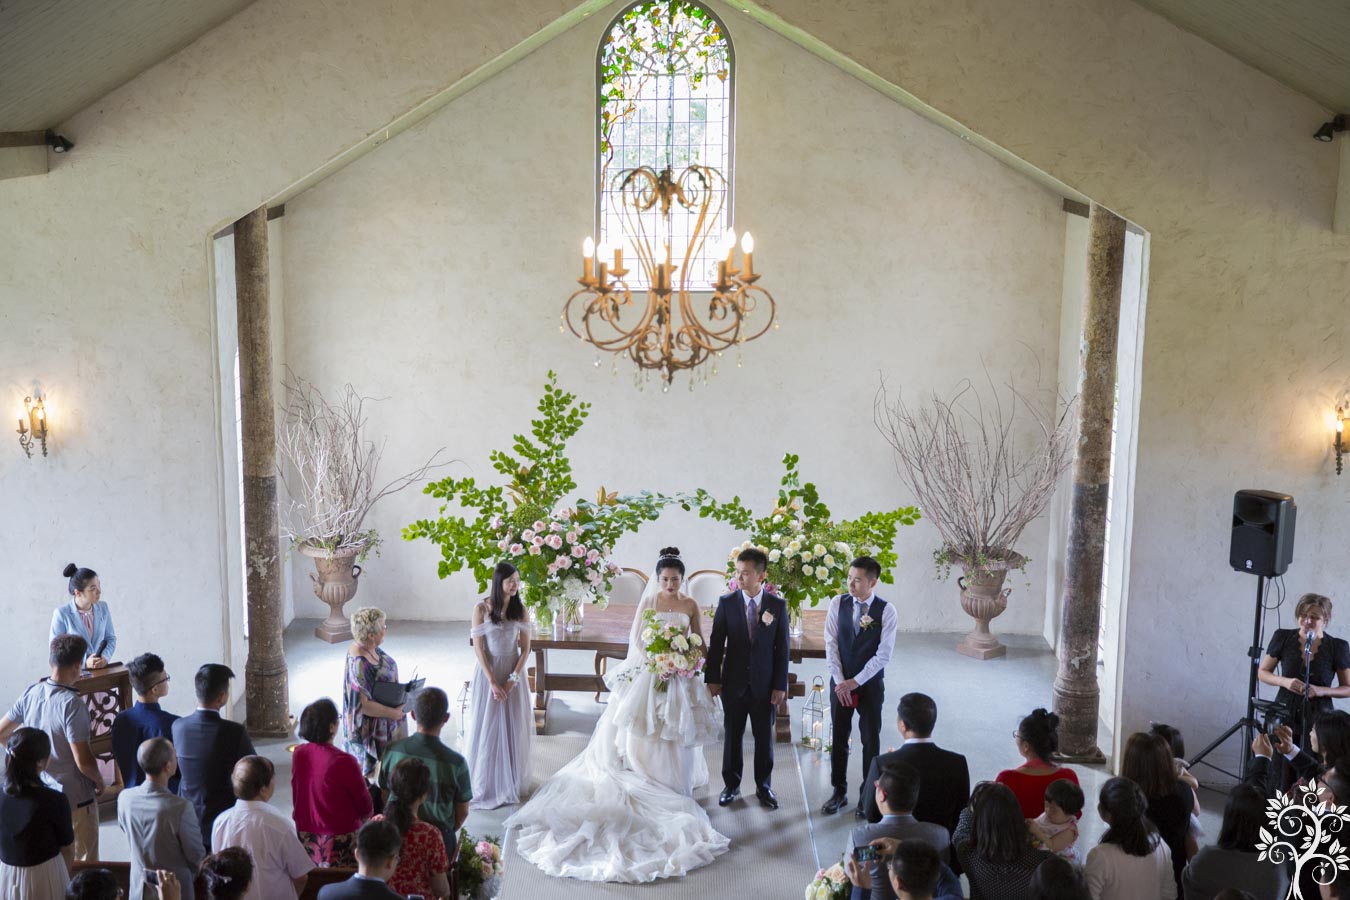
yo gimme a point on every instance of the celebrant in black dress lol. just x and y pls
(1330, 659)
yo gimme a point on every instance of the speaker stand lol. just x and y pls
(1248, 722)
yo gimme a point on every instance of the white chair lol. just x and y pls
(626, 590)
(706, 585)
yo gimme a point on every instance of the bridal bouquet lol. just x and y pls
(672, 651)
(829, 884)
(478, 866)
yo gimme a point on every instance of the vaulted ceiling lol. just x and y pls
(58, 56)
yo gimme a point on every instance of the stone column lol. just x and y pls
(266, 695)
(1077, 694)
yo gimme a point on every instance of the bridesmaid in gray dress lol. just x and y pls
(503, 723)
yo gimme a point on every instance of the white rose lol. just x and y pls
(807, 570)
(775, 555)
(745, 545)
(829, 560)
(679, 662)
(797, 525)
(777, 519)
(680, 643)
(647, 635)
(807, 556)
(696, 640)
(818, 549)
(794, 546)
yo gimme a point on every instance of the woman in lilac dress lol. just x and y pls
(503, 723)
(369, 726)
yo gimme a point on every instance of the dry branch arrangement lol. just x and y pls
(959, 457)
(332, 469)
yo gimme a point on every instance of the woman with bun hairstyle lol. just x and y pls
(87, 616)
(1037, 739)
(226, 875)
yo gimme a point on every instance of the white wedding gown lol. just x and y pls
(623, 809)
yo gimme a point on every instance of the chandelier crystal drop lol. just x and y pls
(671, 328)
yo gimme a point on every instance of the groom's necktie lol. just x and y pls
(750, 617)
(858, 607)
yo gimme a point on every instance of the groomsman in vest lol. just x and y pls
(859, 636)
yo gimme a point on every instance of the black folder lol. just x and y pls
(395, 693)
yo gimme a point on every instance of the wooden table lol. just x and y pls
(106, 693)
(607, 630)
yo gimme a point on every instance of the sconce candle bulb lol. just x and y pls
(1340, 437)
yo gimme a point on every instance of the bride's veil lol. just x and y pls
(636, 650)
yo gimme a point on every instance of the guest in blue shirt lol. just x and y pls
(86, 616)
(143, 721)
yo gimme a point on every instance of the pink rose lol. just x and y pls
(592, 555)
(553, 541)
(537, 540)
(486, 867)
(593, 578)
(517, 549)
(612, 566)
(564, 562)
(578, 551)
(502, 544)
(555, 527)
(496, 522)
(527, 534)
(553, 566)
(534, 550)
(538, 526)
(571, 537)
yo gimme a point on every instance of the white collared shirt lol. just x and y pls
(926, 740)
(269, 836)
(874, 665)
(757, 600)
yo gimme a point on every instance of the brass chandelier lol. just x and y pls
(670, 331)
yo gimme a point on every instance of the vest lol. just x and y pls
(856, 648)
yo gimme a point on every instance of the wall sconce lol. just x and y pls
(1340, 437)
(36, 427)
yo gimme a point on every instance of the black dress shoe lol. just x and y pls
(727, 797)
(767, 798)
(858, 813)
(838, 800)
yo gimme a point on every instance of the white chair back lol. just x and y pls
(627, 587)
(706, 585)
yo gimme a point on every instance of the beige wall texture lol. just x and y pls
(432, 271)
(103, 287)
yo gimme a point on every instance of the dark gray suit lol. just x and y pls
(208, 746)
(902, 828)
(359, 888)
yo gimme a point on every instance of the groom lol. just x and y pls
(748, 668)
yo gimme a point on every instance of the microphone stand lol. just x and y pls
(1305, 725)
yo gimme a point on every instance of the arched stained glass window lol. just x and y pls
(665, 101)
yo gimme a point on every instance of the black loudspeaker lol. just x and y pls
(1263, 532)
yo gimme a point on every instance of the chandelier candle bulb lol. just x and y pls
(588, 261)
(748, 248)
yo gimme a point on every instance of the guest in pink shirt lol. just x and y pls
(330, 795)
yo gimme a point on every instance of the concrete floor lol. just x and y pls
(979, 706)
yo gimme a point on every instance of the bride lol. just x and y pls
(623, 810)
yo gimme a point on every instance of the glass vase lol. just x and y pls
(795, 623)
(572, 614)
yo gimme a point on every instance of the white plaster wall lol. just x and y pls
(1248, 328)
(105, 303)
(432, 272)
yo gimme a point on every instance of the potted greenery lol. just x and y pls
(330, 476)
(979, 485)
(809, 553)
(562, 551)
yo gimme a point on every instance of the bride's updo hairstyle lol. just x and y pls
(669, 559)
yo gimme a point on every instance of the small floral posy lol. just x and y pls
(829, 884)
(865, 622)
(479, 863)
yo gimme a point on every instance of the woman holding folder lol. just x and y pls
(369, 726)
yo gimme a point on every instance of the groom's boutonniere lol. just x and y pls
(767, 618)
(865, 622)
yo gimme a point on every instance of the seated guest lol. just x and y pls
(1132, 862)
(87, 616)
(100, 884)
(1058, 879)
(915, 872)
(228, 874)
(331, 797)
(423, 861)
(447, 804)
(944, 777)
(1037, 739)
(36, 838)
(280, 864)
(993, 844)
(1233, 860)
(1147, 761)
(208, 746)
(377, 854)
(161, 828)
(145, 720)
(894, 793)
(56, 707)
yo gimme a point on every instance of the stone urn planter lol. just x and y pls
(984, 597)
(335, 582)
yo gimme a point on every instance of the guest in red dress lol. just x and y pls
(1037, 739)
(330, 794)
(423, 863)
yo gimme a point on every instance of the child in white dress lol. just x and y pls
(1056, 829)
